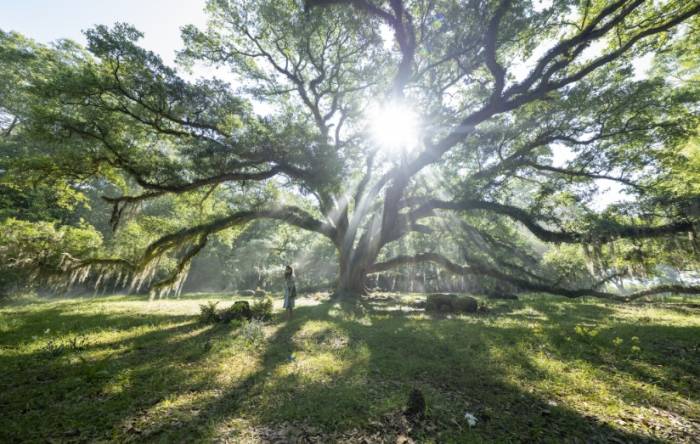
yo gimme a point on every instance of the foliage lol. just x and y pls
(29, 249)
(262, 309)
(238, 311)
(568, 263)
(57, 347)
(252, 332)
(208, 314)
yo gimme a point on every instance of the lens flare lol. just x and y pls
(394, 127)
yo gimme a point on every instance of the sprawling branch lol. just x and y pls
(399, 20)
(120, 202)
(611, 231)
(520, 94)
(578, 43)
(288, 214)
(490, 46)
(582, 173)
(177, 277)
(527, 285)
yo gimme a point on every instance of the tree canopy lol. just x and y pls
(524, 111)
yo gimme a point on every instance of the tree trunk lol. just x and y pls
(352, 273)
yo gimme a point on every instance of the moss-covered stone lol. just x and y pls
(239, 310)
(450, 303)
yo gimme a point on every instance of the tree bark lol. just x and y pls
(352, 273)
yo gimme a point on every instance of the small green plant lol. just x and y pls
(252, 333)
(262, 310)
(208, 313)
(56, 347)
(585, 332)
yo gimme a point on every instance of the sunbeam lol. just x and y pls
(394, 127)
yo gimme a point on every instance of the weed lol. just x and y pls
(262, 310)
(252, 332)
(208, 313)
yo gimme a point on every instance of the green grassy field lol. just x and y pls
(536, 370)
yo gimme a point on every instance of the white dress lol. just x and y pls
(290, 293)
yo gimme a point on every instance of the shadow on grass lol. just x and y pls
(453, 363)
(86, 391)
(367, 357)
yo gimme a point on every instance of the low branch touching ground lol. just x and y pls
(612, 231)
(477, 269)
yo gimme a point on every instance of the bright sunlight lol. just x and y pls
(394, 126)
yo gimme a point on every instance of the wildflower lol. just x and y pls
(471, 419)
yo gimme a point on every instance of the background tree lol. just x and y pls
(492, 90)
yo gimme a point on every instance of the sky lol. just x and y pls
(49, 20)
(160, 21)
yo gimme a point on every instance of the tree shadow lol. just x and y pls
(366, 358)
(384, 358)
(82, 390)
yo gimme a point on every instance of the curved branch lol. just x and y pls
(614, 231)
(400, 21)
(481, 269)
(120, 202)
(288, 214)
(175, 280)
(491, 38)
(580, 173)
(518, 95)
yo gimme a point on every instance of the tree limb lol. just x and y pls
(480, 269)
(613, 231)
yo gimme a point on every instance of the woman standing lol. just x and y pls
(290, 290)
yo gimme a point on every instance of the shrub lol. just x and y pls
(208, 313)
(239, 310)
(262, 310)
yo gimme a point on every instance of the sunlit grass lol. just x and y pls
(127, 369)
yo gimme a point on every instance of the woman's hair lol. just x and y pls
(288, 271)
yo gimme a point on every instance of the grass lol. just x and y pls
(541, 369)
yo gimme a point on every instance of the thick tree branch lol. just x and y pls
(435, 151)
(483, 270)
(490, 45)
(288, 214)
(613, 230)
(402, 24)
(547, 86)
(581, 173)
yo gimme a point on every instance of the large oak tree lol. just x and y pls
(503, 90)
